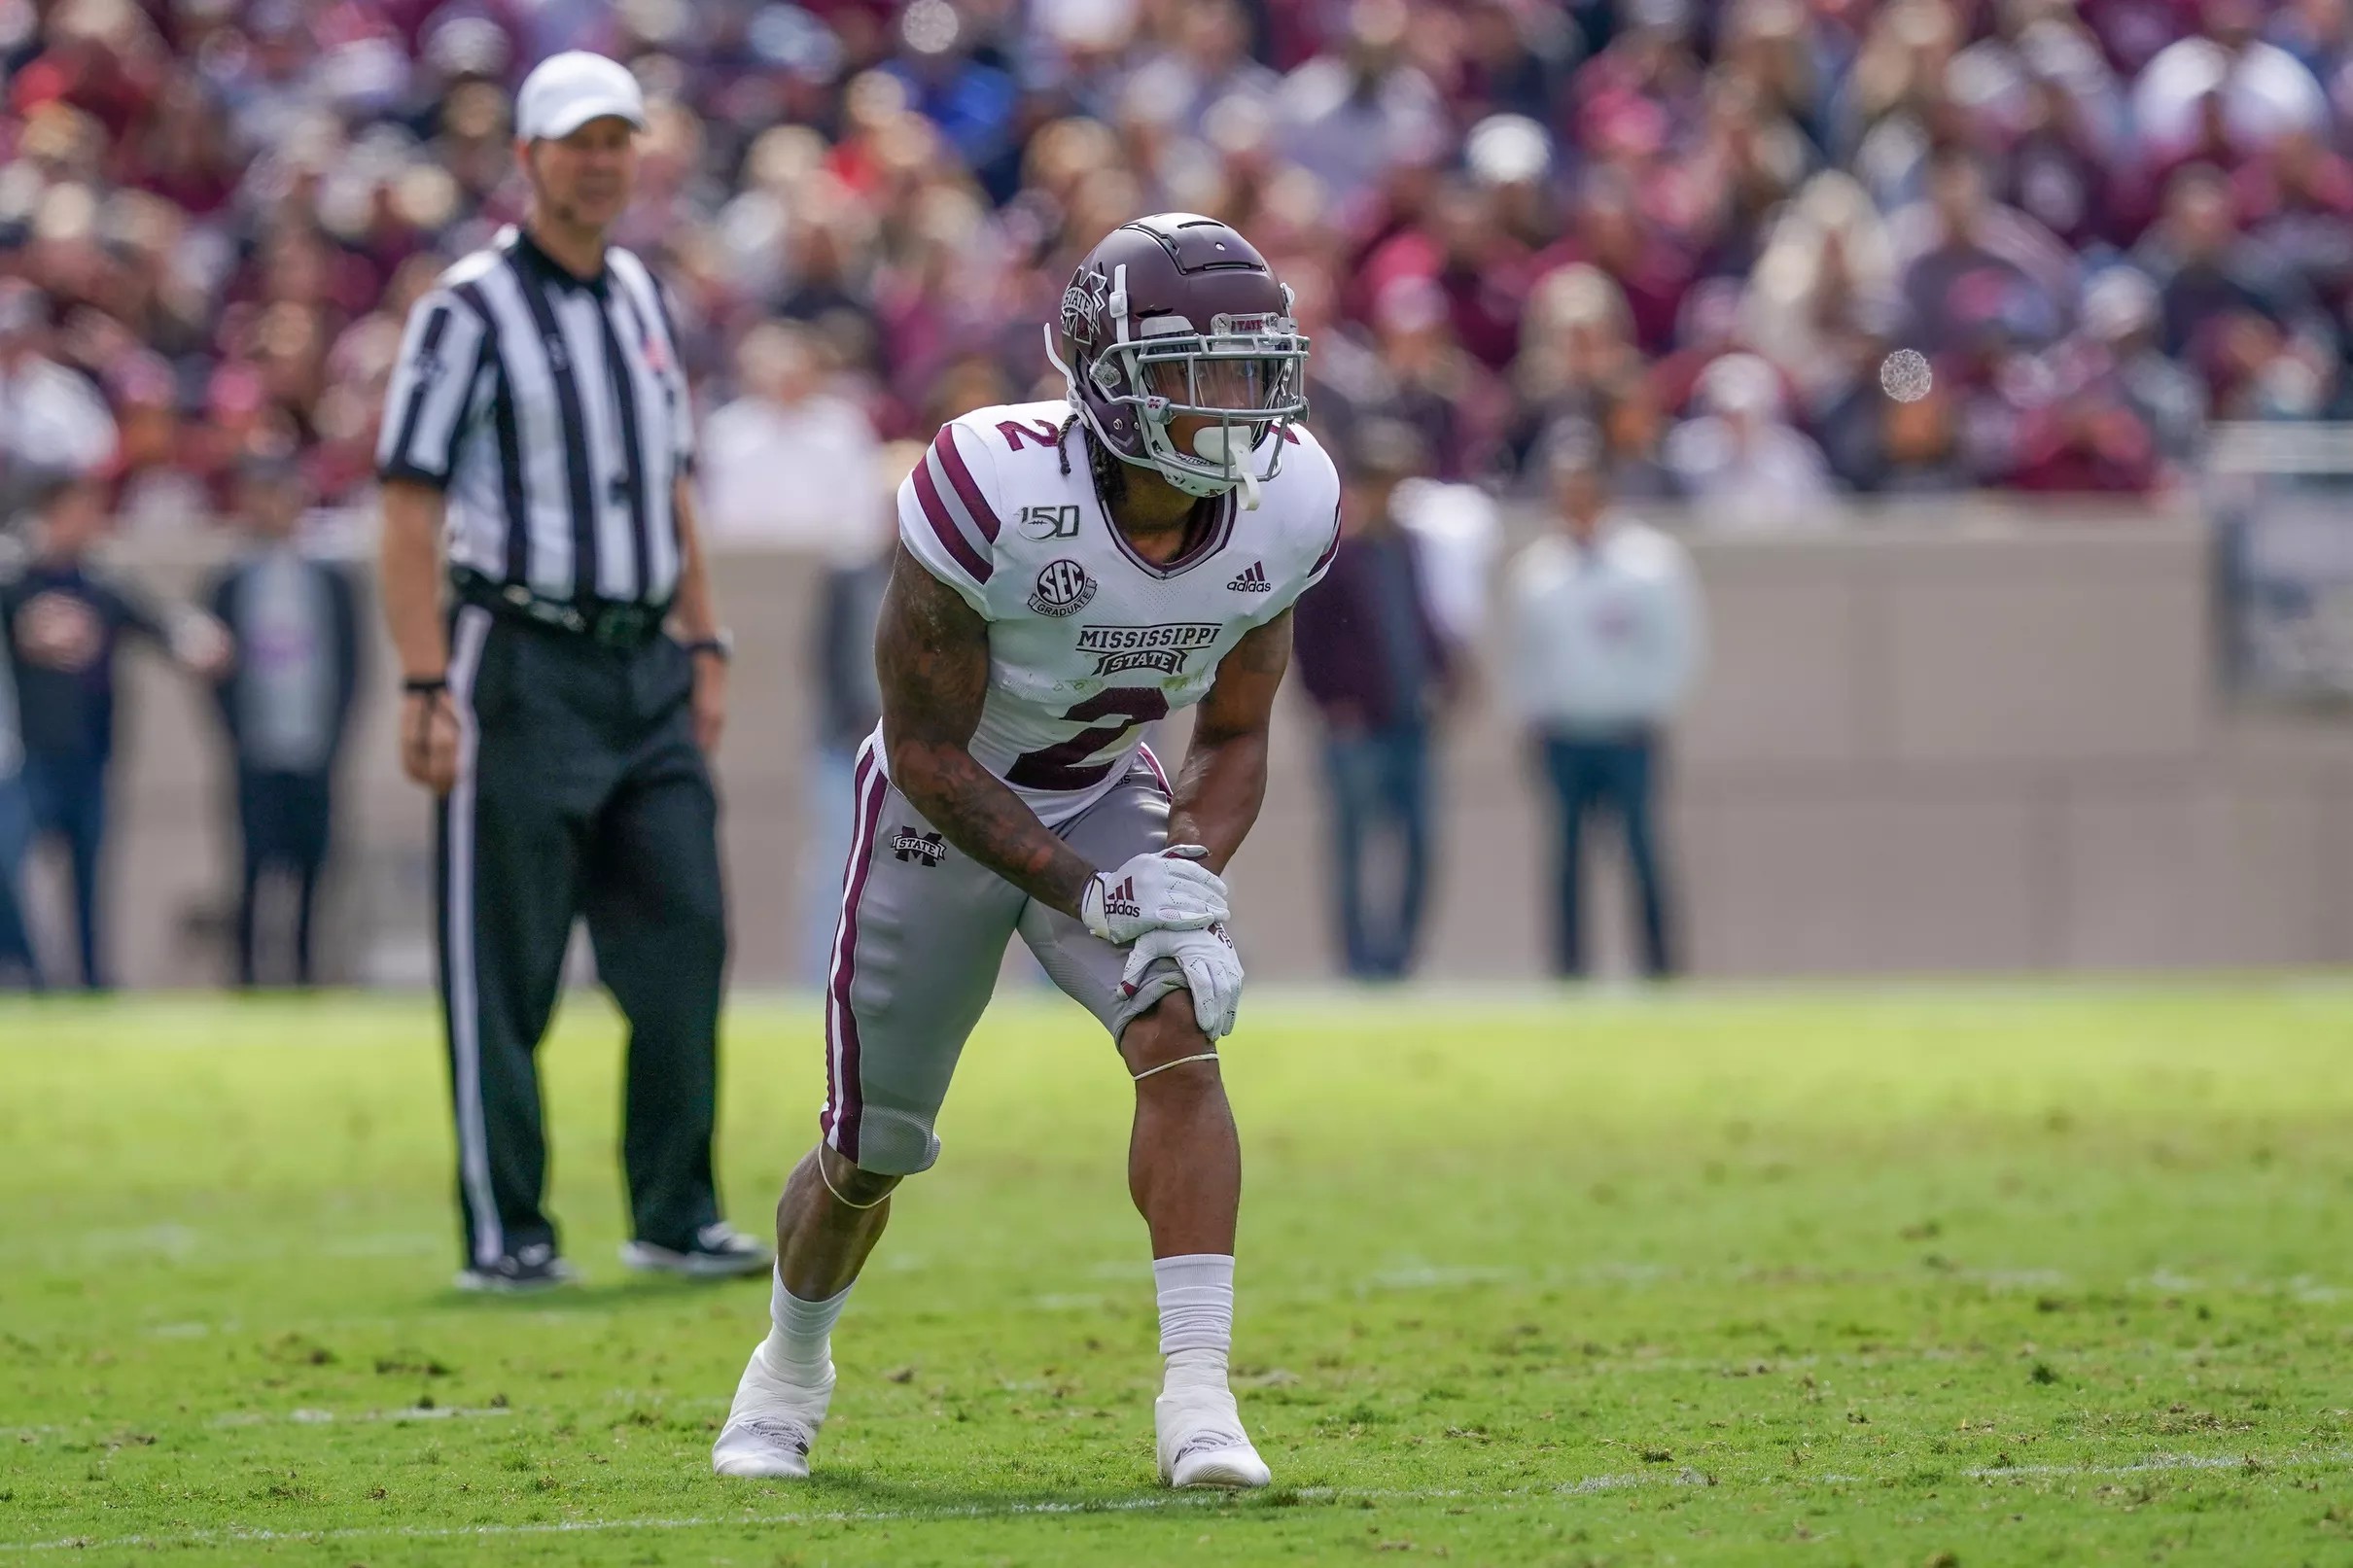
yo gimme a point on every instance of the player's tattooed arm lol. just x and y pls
(931, 652)
(1223, 781)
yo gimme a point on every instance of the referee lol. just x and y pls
(538, 421)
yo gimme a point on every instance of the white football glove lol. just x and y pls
(1161, 892)
(1212, 972)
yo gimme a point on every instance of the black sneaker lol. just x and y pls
(718, 1251)
(536, 1266)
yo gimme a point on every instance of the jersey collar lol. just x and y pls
(529, 252)
(1210, 537)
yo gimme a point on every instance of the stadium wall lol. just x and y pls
(1976, 737)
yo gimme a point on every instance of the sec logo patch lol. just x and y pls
(1064, 588)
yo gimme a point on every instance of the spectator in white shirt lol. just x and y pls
(759, 450)
(1743, 457)
(285, 701)
(1350, 114)
(1605, 634)
(53, 419)
(2263, 92)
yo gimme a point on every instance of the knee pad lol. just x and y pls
(894, 1142)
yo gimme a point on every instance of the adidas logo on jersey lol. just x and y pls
(1252, 581)
(1121, 900)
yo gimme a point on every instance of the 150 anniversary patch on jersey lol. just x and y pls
(1165, 649)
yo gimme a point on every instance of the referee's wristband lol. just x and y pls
(425, 685)
(720, 644)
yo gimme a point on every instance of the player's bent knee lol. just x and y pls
(1169, 1022)
(887, 1140)
(1166, 1048)
(854, 1184)
(1186, 1081)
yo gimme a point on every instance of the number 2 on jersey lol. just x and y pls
(1064, 765)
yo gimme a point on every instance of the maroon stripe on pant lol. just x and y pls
(944, 523)
(952, 461)
(839, 1121)
(849, 869)
(1152, 762)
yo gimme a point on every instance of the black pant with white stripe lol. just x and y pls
(581, 791)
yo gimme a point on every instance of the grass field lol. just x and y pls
(1926, 1277)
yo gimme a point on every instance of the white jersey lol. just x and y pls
(1088, 641)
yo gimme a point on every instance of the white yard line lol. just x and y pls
(1589, 1486)
(314, 1417)
(298, 1417)
(2169, 1461)
(690, 1523)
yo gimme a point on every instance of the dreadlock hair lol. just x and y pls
(1109, 474)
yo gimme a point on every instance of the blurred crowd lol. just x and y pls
(1669, 249)
(1695, 227)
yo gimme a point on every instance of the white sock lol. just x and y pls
(1196, 1317)
(801, 1334)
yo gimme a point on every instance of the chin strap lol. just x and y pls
(1245, 479)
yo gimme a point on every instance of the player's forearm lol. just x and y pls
(931, 657)
(1218, 793)
(981, 815)
(696, 607)
(410, 570)
(1223, 781)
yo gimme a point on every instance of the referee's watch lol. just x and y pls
(720, 644)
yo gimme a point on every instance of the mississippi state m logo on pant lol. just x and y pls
(910, 845)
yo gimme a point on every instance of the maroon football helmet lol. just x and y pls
(1177, 315)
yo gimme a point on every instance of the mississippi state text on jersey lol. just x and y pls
(1088, 641)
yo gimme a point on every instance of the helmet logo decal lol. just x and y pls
(1081, 304)
(1261, 325)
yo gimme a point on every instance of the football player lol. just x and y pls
(1067, 573)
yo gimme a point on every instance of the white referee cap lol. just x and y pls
(565, 92)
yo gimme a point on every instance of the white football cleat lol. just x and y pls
(1201, 1442)
(772, 1424)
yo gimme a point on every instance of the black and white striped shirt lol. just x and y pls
(553, 412)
